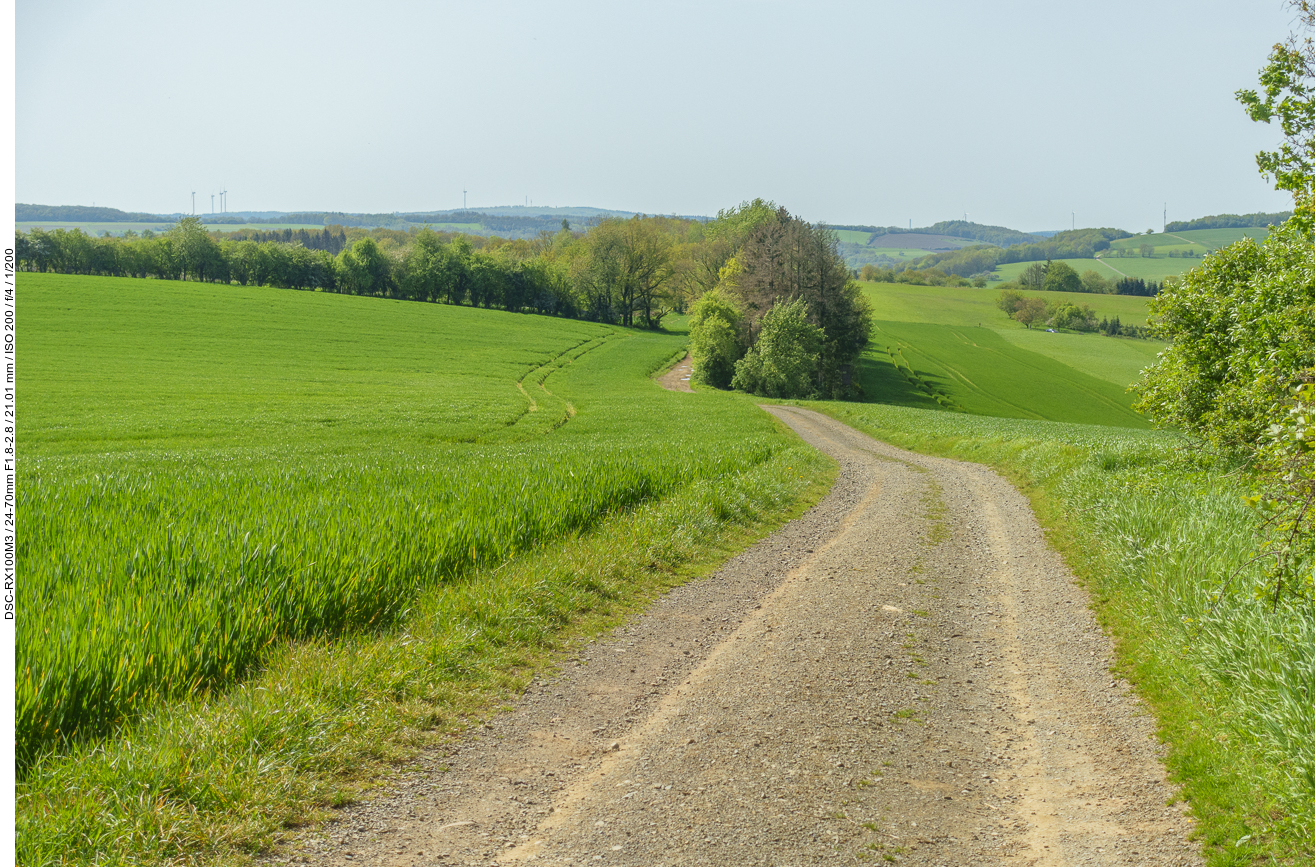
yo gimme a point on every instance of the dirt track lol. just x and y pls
(677, 378)
(905, 673)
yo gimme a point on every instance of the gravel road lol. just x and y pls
(905, 674)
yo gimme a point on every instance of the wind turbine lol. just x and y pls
(193, 203)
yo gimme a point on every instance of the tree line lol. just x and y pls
(331, 239)
(1229, 221)
(1062, 315)
(1000, 236)
(915, 277)
(81, 214)
(623, 271)
(626, 271)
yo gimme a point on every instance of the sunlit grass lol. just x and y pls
(207, 471)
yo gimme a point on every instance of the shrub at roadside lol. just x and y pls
(717, 338)
(783, 363)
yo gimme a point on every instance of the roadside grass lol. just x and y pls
(1153, 530)
(975, 370)
(221, 777)
(213, 478)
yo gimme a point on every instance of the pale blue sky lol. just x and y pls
(1017, 113)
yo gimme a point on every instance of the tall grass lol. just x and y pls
(309, 491)
(1162, 537)
(206, 778)
(168, 577)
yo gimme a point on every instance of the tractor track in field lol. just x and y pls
(905, 674)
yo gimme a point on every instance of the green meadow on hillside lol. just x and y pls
(852, 236)
(1213, 239)
(1118, 360)
(1112, 268)
(253, 464)
(975, 370)
(1198, 239)
(948, 305)
(1024, 373)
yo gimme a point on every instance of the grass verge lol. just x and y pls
(219, 779)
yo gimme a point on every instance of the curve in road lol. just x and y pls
(905, 674)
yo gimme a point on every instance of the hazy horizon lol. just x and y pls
(1019, 114)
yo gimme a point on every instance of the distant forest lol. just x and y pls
(82, 214)
(1077, 244)
(332, 239)
(997, 235)
(1229, 221)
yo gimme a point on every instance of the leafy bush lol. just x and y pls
(1241, 332)
(1061, 278)
(1074, 317)
(716, 338)
(783, 363)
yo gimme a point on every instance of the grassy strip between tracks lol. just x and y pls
(214, 781)
(1153, 531)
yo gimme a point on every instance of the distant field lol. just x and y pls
(902, 253)
(918, 240)
(1208, 239)
(1149, 269)
(266, 227)
(976, 370)
(969, 306)
(852, 236)
(1213, 239)
(1174, 241)
(455, 227)
(1112, 268)
(1116, 360)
